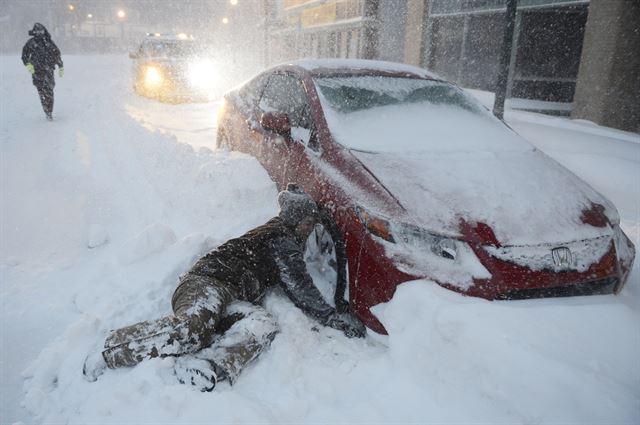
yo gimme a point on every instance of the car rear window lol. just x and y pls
(356, 93)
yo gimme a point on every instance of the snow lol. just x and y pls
(455, 160)
(449, 130)
(316, 65)
(479, 186)
(417, 258)
(103, 208)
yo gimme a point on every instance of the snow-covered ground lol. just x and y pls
(103, 208)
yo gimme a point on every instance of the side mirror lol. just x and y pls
(133, 55)
(278, 122)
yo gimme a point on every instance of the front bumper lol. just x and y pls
(172, 92)
(172, 84)
(595, 287)
(376, 276)
(510, 280)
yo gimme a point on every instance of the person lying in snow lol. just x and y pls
(218, 326)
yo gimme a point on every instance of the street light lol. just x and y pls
(233, 2)
(89, 15)
(225, 20)
(121, 15)
(71, 7)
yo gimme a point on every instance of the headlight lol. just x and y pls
(152, 76)
(376, 225)
(406, 234)
(202, 74)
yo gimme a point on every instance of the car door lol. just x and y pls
(305, 151)
(279, 154)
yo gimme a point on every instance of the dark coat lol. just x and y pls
(44, 55)
(264, 257)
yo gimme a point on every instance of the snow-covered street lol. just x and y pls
(102, 209)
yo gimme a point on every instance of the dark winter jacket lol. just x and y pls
(43, 54)
(264, 257)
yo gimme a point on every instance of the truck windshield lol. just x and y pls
(169, 49)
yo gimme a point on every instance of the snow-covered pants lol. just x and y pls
(45, 82)
(208, 324)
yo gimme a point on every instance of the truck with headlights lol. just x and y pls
(173, 68)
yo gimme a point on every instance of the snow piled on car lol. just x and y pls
(450, 160)
(526, 198)
(318, 65)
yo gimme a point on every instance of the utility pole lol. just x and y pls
(266, 33)
(505, 59)
(369, 38)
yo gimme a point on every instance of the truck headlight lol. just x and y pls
(153, 76)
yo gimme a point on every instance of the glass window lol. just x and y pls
(249, 95)
(402, 114)
(167, 49)
(350, 94)
(285, 93)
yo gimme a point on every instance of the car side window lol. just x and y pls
(285, 93)
(250, 94)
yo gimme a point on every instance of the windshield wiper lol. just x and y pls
(363, 151)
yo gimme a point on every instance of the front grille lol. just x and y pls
(582, 254)
(595, 287)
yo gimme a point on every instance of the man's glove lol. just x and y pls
(30, 68)
(61, 72)
(347, 323)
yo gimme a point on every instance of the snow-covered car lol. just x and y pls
(425, 183)
(173, 68)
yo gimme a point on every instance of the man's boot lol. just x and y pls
(168, 336)
(94, 365)
(199, 373)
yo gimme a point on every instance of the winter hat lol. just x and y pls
(39, 30)
(295, 205)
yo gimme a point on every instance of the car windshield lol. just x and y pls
(400, 114)
(350, 94)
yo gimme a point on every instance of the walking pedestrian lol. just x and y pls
(41, 55)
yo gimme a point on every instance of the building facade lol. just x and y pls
(323, 29)
(463, 41)
(459, 39)
(556, 57)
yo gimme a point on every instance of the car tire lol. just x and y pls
(222, 140)
(319, 256)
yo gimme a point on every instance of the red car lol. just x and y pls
(425, 183)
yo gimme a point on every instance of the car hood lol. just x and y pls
(524, 196)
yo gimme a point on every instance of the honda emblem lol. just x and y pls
(561, 257)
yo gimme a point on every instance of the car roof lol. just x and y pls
(326, 67)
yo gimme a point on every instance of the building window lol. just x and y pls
(354, 43)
